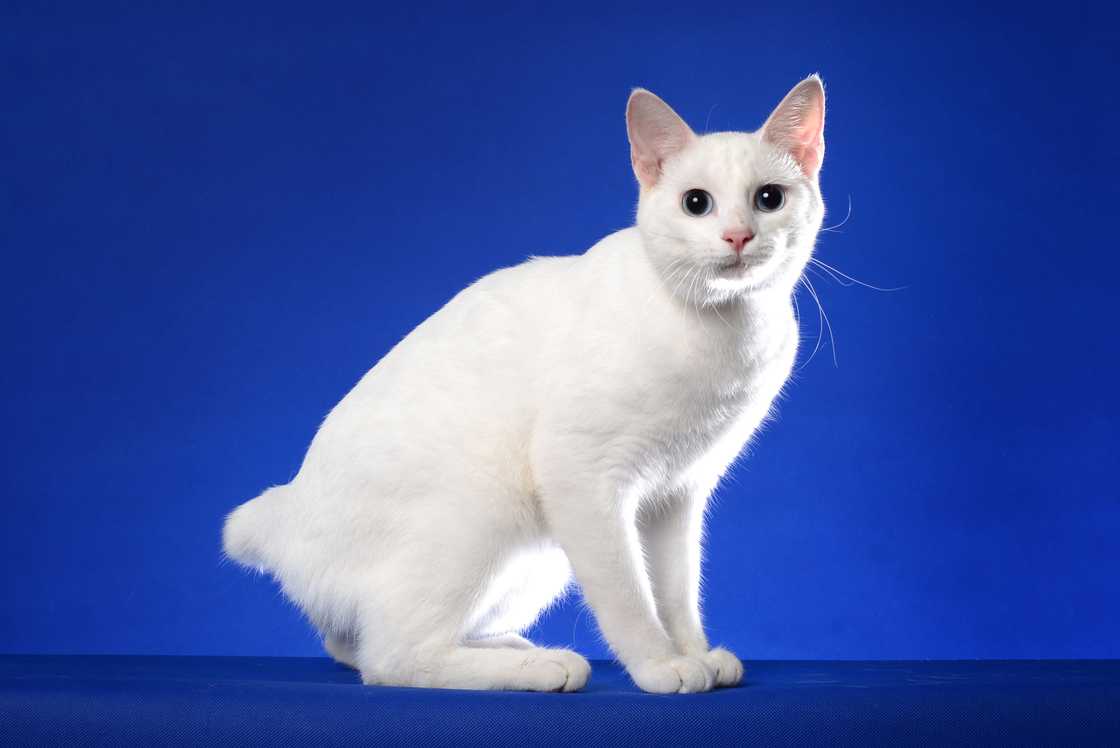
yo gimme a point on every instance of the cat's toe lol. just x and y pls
(576, 668)
(727, 667)
(674, 675)
(539, 673)
(695, 675)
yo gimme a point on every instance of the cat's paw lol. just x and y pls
(577, 670)
(674, 675)
(727, 667)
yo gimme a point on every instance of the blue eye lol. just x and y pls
(697, 203)
(770, 197)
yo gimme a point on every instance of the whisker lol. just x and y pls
(715, 308)
(839, 225)
(824, 316)
(820, 332)
(674, 267)
(681, 280)
(687, 300)
(671, 271)
(846, 280)
(709, 118)
(694, 302)
(822, 274)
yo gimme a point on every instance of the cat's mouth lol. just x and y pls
(738, 266)
(742, 269)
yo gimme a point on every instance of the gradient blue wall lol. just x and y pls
(215, 220)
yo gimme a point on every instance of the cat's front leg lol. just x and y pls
(671, 533)
(598, 533)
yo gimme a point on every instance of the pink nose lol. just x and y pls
(737, 238)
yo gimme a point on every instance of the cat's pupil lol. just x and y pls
(697, 202)
(769, 198)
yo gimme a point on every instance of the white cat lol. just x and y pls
(567, 414)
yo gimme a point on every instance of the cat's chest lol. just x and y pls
(722, 380)
(731, 383)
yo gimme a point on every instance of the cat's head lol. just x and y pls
(730, 213)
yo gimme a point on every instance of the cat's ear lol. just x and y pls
(797, 125)
(656, 133)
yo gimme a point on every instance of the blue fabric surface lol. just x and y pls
(47, 700)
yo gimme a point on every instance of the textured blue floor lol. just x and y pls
(47, 700)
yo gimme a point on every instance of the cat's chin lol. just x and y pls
(723, 287)
(755, 275)
(739, 276)
(745, 284)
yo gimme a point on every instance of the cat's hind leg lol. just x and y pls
(414, 630)
(526, 584)
(517, 669)
(501, 641)
(529, 582)
(505, 662)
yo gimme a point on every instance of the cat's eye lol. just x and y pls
(770, 197)
(697, 203)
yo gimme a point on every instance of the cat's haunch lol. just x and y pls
(567, 416)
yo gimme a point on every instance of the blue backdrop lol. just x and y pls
(215, 220)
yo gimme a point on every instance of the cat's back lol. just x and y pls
(498, 316)
(500, 320)
(463, 381)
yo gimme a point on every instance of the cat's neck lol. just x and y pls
(761, 302)
(765, 317)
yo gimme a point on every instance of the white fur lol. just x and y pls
(567, 414)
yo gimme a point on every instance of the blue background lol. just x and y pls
(215, 220)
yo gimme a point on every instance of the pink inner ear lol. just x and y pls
(656, 133)
(797, 125)
(809, 155)
(647, 170)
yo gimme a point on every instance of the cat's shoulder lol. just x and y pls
(622, 242)
(615, 244)
(611, 248)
